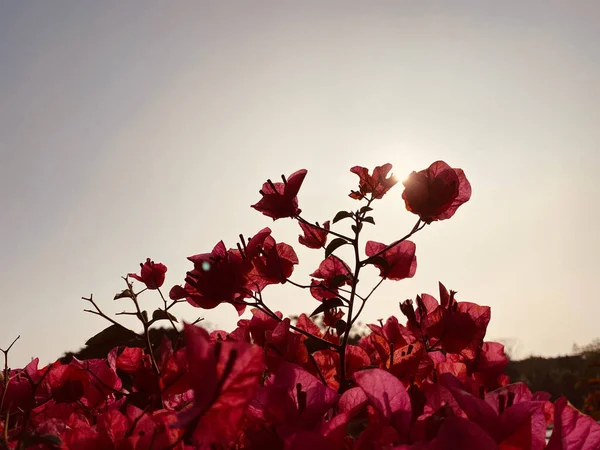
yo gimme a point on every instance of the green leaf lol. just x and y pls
(142, 316)
(341, 215)
(356, 228)
(358, 424)
(124, 294)
(161, 314)
(46, 440)
(338, 280)
(314, 345)
(340, 326)
(369, 219)
(333, 245)
(113, 334)
(327, 304)
(379, 261)
(368, 367)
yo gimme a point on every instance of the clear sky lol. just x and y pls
(145, 129)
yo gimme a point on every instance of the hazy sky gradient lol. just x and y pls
(145, 129)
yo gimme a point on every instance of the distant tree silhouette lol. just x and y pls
(575, 376)
(100, 345)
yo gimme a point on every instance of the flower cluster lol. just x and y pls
(430, 383)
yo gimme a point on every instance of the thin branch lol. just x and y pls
(174, 303)
(364, 301)
(342, 348)
(348, 291)
(145, 324)
(167, 312)
(6, 379)
(358, 217)
(10, 346)
(312, 358)
(418, 227)
(98, 311)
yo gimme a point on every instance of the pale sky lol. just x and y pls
(145, 129)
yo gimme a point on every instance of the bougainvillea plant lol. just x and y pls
(432, 383)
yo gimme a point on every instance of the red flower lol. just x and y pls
(331, 316)
(457, 327)
(256, 243)
(281, 344)
(279, 199)
(261, 324)
(219, 276)
(376, 184)
(17, 391)
(152, 274)
(465, 328)
(573, 429)
(401, 260)
(297, 398)
(389, 396)
(91, 382)
(436, 192)
(512, 416)
(274, 265)
(224, 377)
(313, 237)
(334, 272)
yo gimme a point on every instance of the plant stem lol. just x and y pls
(167, 311)
(357, 266)
(144, 321)
(364, 301)
(99, 312)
